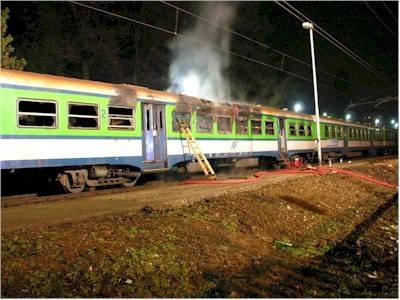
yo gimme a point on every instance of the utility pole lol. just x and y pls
(310, 27)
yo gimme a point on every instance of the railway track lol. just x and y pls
(34, 198)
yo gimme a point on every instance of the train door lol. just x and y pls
(282, 136)
(346, 140)
(154, 136)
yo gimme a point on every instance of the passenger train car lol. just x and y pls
(88, 133)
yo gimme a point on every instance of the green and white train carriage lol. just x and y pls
(90, 133)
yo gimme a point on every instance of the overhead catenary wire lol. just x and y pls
(201, 42)
(380, 20)
(250, 39)
(390, 12)
(292, 10)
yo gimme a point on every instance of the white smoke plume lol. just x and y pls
(197, 69)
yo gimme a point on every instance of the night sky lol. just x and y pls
(62, 38)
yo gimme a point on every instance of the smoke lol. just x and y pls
(197, 69)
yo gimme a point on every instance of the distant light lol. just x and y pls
(324, 114)
(377, 122)
(396, 125)
(393, 121)
(369, 117)
(297, 107)
(348, 117)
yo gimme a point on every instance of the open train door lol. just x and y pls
(346, 140)
(154, 137)
(282, 146)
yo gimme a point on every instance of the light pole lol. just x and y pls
(310, 27)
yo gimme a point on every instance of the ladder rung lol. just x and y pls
(201, 158)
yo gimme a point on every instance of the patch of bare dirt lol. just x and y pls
(298, 238)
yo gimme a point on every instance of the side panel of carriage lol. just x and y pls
(221, 136)
(58, 128)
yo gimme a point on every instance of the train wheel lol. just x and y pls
(65, 181)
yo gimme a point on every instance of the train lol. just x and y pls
(87, 134)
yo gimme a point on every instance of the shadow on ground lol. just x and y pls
(363, 264)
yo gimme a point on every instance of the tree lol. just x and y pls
(8, 61)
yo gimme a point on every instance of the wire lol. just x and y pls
(337, 43)
(377, 93)
(390, 12)
(330, 38)
(377, 16)
(250, 39)
(202, 42)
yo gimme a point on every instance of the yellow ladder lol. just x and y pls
(201, 158)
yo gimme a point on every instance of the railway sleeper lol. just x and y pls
(75, 181)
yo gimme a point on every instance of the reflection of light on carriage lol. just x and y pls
(89, 134)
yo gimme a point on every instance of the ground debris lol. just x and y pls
(277, 240)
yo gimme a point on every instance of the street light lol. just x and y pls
(348, 117)
(309, 26)
(324, 114)
(393, 121)
(377, 122)
(297, 107)
(396, 125)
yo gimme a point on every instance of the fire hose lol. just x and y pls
(309, 170)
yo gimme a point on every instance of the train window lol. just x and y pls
(333, 131)
(302, 130)
(241, 125)
(350, 133)
(339, 132)
(224, 125)
(204, 124)
(256, 127)
(292, 129)
(269, 128)
(121, 118)
(180, 117)
(327, 131)
(309, 130)
(37, 113)
(83, 116)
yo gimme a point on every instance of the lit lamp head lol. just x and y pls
(376, 122)
(324, 114)
(393, 121)
(348, 117)
(307, 25)
(297, 107)
(396, 125)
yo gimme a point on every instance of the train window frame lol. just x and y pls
(339, 132)
(97, 117)
(246, 126)
(309, 130)
(55, 115)
(207, 130)
(327, 131)
(175, 127)
(269, 130)
(219, 129)
(333, 132)
(301, 129)
(111, 117)
(256, 127)
(292, 129)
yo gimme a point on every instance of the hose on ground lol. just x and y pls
(318, 170)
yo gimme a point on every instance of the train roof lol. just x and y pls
(30, 79)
